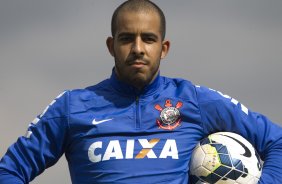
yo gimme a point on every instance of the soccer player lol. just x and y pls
(136, 126)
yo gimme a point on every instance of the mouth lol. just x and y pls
(137, 63)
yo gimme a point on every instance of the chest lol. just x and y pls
(140, 136)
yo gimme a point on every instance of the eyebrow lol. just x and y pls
(147, 34)
(125, 34)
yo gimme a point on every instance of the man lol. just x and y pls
(136, 126)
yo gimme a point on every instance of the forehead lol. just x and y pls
(138, 22)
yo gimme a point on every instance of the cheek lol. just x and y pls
(156, 54)
(121, 53)
(154, 50)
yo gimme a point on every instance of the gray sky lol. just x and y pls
(49, 46)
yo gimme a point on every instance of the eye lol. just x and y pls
(149, 38)
(126, 39)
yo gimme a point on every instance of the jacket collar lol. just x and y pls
(128, 89)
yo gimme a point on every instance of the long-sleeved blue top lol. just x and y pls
(112, 133)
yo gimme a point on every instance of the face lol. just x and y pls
(137, 47)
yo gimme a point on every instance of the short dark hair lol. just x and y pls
(139, 5)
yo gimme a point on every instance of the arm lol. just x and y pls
(223, 113)
(41, 147)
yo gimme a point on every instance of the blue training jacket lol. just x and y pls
(111, 133)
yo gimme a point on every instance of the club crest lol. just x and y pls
(170, 116)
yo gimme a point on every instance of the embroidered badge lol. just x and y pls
(170, 116)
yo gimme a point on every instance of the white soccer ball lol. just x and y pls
(225, 158)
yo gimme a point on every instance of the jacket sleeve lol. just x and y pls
(220, 112)
(41, 147)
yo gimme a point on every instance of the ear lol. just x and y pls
(165, 48)
(110, 45)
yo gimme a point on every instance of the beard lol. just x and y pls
(139, 78)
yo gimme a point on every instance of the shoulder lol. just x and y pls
(200, 94)
(92, 96)
(179, 87)
(177, 82)
(205, 94)
(90, 92)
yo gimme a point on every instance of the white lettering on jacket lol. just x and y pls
(114, 150)
(234, 101)
(37, 119)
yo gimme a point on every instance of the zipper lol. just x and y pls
(137, 113)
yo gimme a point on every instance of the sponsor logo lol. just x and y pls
(247, 152)
(97, 153)
(95, 122)
(169, 116)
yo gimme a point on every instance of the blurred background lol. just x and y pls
(49, 46)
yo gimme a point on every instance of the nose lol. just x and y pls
(138, 46)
